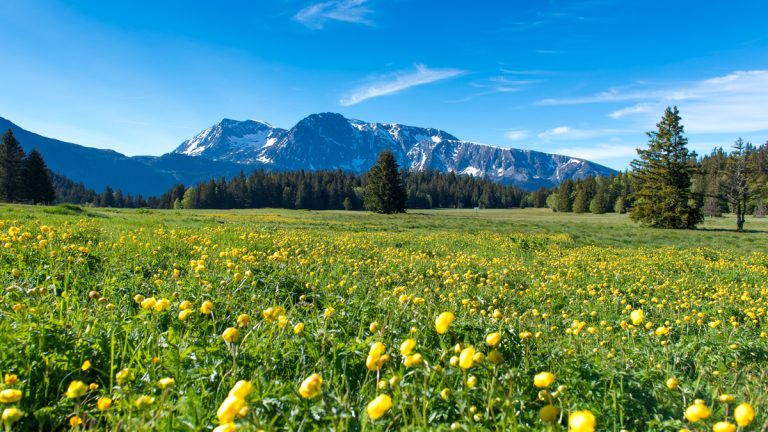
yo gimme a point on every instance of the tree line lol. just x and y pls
(24, 178)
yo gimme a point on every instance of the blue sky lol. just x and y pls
(581, 78)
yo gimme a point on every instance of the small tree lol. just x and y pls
(11, 166)
(599, 203)
(737, 182)
(621, 206)
(347, 204)
(38, 184)
(385, 192)
(663, 196)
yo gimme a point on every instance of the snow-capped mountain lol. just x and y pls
(331, 141)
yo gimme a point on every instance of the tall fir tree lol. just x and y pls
(663, 196)
(385, 192)
(11, 166)
(38, 184)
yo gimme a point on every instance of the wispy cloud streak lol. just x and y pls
(401, 80)
(316, 15)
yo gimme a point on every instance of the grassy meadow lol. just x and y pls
(279, 320)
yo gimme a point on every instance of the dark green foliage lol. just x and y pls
(38, 185)
(663, 198)
(11, 168)
(599, 203)
(385, 192)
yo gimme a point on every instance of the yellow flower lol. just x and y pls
(526, 335)
(413, 360)
(229, 409)
(138, 298)
(10, 396)
(379, 406)
(184, 314)
(298, 328)
(662, 331)
(124, 376)
(723, 427)
(478, 357)
(672, 383)
(226, 427)
(103, 403)
(493, 338)
(543, 380)
(241, 389)
(76, 389)
(185, 305)
(282, 321)
(466, 359)
(443, 321)
(75, 421)
(582, 421)
(471, 382)
(93, 386)
(329, 311)
(696, 412)
(548, 413)
(144, 402)
(162, 305)
(231, 335)
(243, 320)
(407, 347)
(377, 349)
(374, 327)
(86, 365)
(495, 357)
(311, 386)
(373, 363)
(445, 393)
(206, 308)
(726, 398)
(11, 416)
(11, 380)
(637, 316)
(166, 383)
(149, 303)
(744, 414)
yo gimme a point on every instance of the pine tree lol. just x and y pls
(38, 184)
(385, 192)
(11, 166)
(663, 196)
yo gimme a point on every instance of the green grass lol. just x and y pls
(569, 280)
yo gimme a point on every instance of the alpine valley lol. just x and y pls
(326, 141)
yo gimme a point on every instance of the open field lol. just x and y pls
(314, 292)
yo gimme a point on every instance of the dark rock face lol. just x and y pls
(331, 141)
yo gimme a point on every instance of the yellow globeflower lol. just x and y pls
(144, 402)
(407, 347)
(75, 421)
(138, 298)
(726, 398)
(696, 412)
(329, 311)
(373, 363)
(377, 349)
(443, 322)
(241, 389)
(231, 335)
(185, 305)
(744, 414)
(374, 327)
(166, 383)
(10, 396)
(76, 389)
(184, 314)
(298, 328)
(124, 376)
(413, 360)
(226, 427)
(662, 331)
(311, 386)
(723, 427)
(637, 316)
(11, 416)
(149, 303)
(493, 338)
(162, 305)
(445, 393)
(243, 320)
(86, 365)
(543, 380)
(11, 380)
(548, 413)
(282, 321)
(103, 403)
(582, 421)
(229, 409)
(466, 359)
(379, 406)
(672, 383)
(206, 308)
(495, 357)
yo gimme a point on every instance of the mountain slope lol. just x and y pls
(331, 141)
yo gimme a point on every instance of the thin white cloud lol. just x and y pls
(316, 15)
(516, 135)
(734, 103)
(392, 83)
(567, 133)
(526, 72)
(600, 152)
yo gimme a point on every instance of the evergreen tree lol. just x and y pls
(663, 178)
(38, 184)
(385, 192)
(599, 203)
(581, 203)
(11, 167)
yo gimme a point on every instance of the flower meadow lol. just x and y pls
(237, 322)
